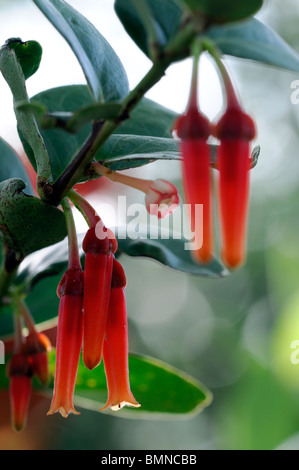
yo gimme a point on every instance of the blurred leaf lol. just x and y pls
(224, 11)
(42, 302)
(167, 17)
(102, 68)
(285, 344)
(28, 53)
(12, 167)
(264, 413)
(170, 252)
(120, 150)
(28, 224)
(256, 41)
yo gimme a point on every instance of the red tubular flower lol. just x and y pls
(115, 351)
(194, 129)
(99, 246)
(19, 372)
(235, 130)
(37, 347)
(69, 341)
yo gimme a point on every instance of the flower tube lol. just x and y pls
(70, 326)
(115, 351)
(99, 247)
(235, 130)
(193, 128)
(161, 196)
(69, 341)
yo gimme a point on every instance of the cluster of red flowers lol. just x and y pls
(234, 130)
(92, 317)
(92, 314)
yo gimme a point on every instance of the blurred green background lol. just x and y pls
(233, 334)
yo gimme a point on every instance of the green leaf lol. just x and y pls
(255, 41)
(161, 390)
(27, 224)
(12, 167)
(223, 11)
(28, 53)
(167, 16)
(136, 150)
(103, 70)
(149, 118)
(250, 39)
(150, 125)
(170, 252)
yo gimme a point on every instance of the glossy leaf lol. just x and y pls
(250, 39)
(131, 151)
(28, 53)
(255, 41)
(158, 387)
(12, 167)
(149, 118)
(166, 15)
(27, 224)
(150, 125)
(103, 70)
(223, 11)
